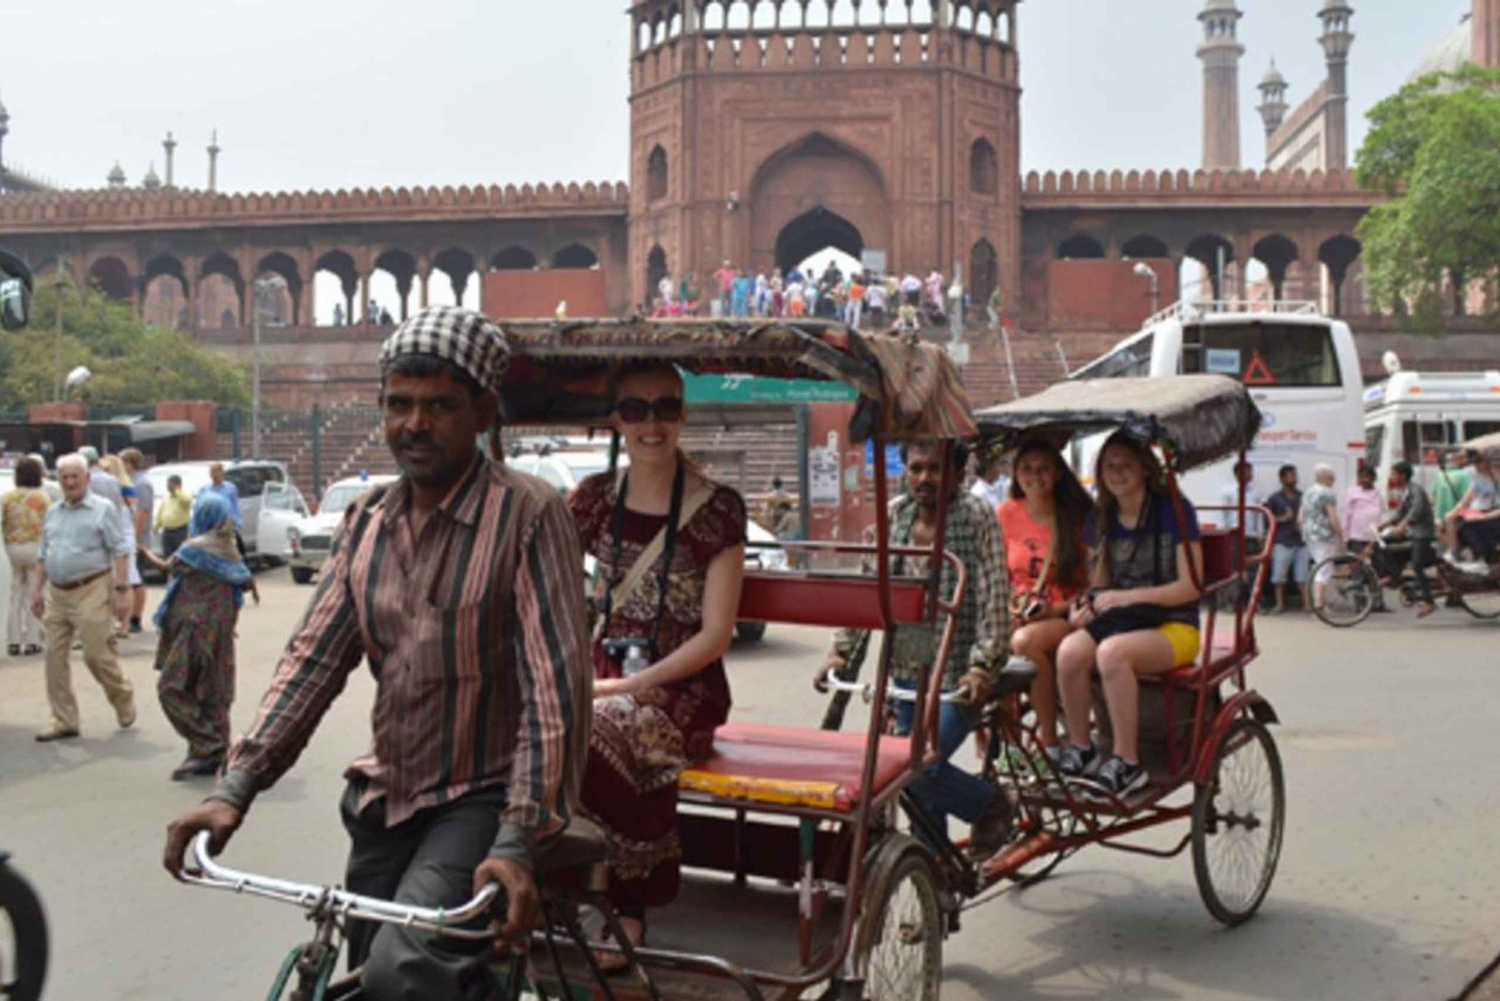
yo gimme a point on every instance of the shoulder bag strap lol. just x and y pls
(627, 586)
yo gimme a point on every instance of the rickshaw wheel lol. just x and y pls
(1238, 816)
(902, 943)
(23, 938)
(1482, 604)
(1349, 596)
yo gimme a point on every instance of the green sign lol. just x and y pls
(751, 389)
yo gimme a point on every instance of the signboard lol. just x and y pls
(893, 465)
(1222, 361)
(874, 261)
(751, 389)
(823, 477)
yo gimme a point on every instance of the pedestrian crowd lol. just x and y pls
(862, 299)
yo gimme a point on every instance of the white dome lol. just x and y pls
(1450, 54)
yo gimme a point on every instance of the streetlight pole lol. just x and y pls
(255, 288)
(1144, 270)
(57, 371)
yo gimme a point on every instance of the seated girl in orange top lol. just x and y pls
(1043, 524)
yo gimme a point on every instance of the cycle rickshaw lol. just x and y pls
(1354, 586)
(798, 878)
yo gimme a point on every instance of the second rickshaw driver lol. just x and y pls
(462, 584)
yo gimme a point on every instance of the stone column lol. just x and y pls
(364, 299)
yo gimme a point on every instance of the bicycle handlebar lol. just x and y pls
(866, 691)
(441, 920)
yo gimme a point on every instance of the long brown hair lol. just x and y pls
(1071, 505)
(1109, 505)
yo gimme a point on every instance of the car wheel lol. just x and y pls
(750, 632)
(302, 575)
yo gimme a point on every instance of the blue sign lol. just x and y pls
(893, 464)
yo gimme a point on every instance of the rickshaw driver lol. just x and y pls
(981, 640)
(462, 584)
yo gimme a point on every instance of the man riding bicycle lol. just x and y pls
(462, 585)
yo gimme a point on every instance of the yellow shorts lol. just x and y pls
(1186, 642)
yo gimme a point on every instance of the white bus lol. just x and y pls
(1301, 368)
(1419, 416)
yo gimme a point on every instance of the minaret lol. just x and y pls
(1272, 100)
(213, 163)
(1336, 40)
(151, 182)
(1221, 52)
(116, 176)
(169, 146)
(1486, 28)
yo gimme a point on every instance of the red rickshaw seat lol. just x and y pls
(793, 766)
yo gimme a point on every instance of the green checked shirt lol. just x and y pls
(981, 632)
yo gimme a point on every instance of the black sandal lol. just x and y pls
(612, 964)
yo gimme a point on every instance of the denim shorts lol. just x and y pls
(1289, 561)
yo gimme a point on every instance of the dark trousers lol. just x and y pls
(428, 860)
(172, 540)
(1392, 560)
(1481, 536)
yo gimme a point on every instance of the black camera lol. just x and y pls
(633, 655)
(1035, 608)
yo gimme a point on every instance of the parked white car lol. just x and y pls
(311, 538)
(565, 469)
(269, 504)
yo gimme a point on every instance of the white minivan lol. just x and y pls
(1420, 417)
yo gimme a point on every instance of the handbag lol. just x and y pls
(1131, 618)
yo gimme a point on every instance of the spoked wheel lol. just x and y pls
(1350, 592)
(903, 940)
(1482, 604)
(23, 938)
(1237, 823)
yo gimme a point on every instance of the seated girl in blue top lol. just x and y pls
(1140, 618)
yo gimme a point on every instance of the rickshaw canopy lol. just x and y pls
(1196, 419)
(562, 371)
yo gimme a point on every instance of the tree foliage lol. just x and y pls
(133, 362)
(1434, 149)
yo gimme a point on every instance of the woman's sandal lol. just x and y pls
(614, 963)
(1425, 609)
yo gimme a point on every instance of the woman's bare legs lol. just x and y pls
(1038, 643)
(1122, 659)
(1075, 669)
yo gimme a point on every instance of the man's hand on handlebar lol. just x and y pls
(219, 818)
(820, 679)
(520, 894)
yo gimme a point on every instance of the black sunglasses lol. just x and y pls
(634, 410)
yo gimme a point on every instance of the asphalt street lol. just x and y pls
(1388, 885)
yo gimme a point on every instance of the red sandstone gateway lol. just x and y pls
(803, 878)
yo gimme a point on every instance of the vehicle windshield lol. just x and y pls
(1263, 355)
(338, 498)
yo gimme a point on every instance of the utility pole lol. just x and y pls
(255, 288)
(57, 368)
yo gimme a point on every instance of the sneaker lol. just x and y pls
(1072, 761)
(126, 716)
(1121, 778)
(55, 732)
(135, 625)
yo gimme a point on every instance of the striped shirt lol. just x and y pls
(475, 632)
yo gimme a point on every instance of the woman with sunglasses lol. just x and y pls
(670, 546)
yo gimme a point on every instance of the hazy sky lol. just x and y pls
(339, 93)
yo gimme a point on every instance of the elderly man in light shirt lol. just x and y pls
(83, 586)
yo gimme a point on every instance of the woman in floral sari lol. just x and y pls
(196, 620)
(655, 711)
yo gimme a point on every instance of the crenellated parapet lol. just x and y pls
(185, 209)
(1189, 188)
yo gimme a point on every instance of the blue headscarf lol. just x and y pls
(211, 550)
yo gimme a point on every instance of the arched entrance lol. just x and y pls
(813, 231)
(813, 194)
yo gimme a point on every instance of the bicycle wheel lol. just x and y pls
(1482, 604)
(903, 941)
(1238, 816)
(23, 938)
(1350, 593)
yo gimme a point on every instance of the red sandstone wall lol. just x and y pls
(203, 443)
(524, 294)
(1103, 293)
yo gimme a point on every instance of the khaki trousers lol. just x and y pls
(85, 612)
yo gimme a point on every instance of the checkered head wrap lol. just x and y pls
(460, 336)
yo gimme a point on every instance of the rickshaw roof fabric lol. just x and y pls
(1198, 418)
(562, 371)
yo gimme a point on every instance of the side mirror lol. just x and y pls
(15, 303)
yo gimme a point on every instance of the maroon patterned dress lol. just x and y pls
(642, 741)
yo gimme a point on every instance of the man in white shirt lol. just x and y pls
(992, 485)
